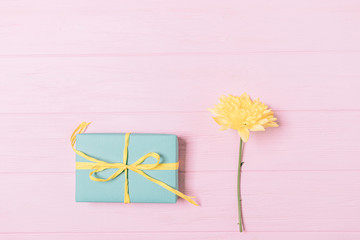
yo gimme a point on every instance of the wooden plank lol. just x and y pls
(183, 83)
(304, 141)
(272, 201)
(162, 27)
(187, 235)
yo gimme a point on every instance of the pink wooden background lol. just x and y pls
(156, 66)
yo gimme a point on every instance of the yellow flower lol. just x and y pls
(243, 114)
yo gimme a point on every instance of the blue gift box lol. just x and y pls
(109, 147)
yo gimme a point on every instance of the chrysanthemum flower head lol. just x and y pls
(243, 114)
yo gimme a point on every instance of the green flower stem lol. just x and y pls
(239, 187)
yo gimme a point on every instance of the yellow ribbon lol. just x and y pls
(97, 166)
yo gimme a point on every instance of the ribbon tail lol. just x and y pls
(80, 129)
(167, 187)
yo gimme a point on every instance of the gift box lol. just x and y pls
(117, 167)
(109, 147)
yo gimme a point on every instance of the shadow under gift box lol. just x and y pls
(109, 147)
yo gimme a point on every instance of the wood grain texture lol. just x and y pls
(304, 141)
(156, 66)
(163, 27)
(185, 235)
(272, 201)
(285, 81)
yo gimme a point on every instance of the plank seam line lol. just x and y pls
(143, 232)
(166, 54)
(209, 171)
(165, 111)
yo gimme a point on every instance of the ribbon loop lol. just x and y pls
(148, 166)
(97, 165)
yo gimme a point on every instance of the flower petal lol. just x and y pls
(244, 134)
(220, 120)
(263, 121)
(224, 127)
(271, 124)
(245, 96)
(243, 114)
(257, 128)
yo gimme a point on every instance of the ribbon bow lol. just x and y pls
(98, 165)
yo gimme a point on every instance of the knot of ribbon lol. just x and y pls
(97, 165)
